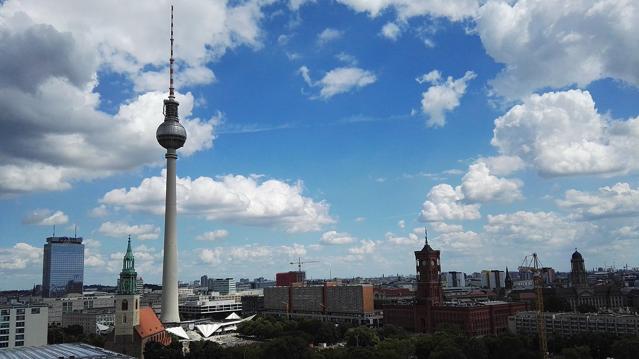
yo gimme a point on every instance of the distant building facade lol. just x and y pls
(62, 266)
(429, 310)
(90, 319)
(23, 325)
(338, 303)
(493, 279)
(222, 285)
(454, 279)
(578, 277)
(286, 279)
(203, 307)
(59, 306)
(568, 324)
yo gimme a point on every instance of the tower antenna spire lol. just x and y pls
(171, 60)
(425, 235)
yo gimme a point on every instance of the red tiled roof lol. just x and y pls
(149, 323)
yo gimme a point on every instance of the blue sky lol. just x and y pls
(328, 130)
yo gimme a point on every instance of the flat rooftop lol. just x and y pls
(57, 351)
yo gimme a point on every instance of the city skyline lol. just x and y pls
(330, 131)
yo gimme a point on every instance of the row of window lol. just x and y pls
(17, 344)
(19, 312)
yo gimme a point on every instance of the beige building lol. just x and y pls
(23, 325)
(57, 306)
(90, 319)
(567, 324)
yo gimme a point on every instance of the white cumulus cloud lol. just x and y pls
(122, 230)
(444, 202)
(334, 237)
(391, 31)
(454, 10)
(339, 80)
(561, 133)
(213, 235)
(249, 200)
(328, 35)
(45, 217)
(619, 200)
(442, 96)
(556, 43)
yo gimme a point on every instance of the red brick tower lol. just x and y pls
(429, 289)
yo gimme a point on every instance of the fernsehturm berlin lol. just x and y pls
(171, 135)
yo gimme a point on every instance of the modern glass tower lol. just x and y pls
(62, 266)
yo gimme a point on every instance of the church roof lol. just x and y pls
(149, 323)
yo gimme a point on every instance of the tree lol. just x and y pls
(361, 337)
(581, 352)
(204, 349)
(424, 345)
(554, 303)
(395, 348)
(627, 348)
(586, 308)
(447, 352)
(287, 348)
(155, 350)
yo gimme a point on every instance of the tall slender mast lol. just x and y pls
(171, 135)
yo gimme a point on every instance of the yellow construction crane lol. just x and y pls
(532, 263)
(299, 263)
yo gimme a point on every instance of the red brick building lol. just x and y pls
(429, 310)
(287, 279)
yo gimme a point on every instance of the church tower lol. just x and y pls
(127, 300)
(577, 271)
(429, 289)
(508, 282)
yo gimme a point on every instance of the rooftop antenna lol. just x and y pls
(75, 231)
(426, 235)
(54, 230)
(171, 60)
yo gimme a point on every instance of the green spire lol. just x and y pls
(128, 263)
(128, 276)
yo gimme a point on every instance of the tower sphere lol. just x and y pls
(171, 133)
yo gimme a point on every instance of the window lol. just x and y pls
(124, 318)
(35, 310)
(4, 312)
(20, 311)
(4, 331)
(5, 318)
(4, 325)
(19, 324)
(19, 330)
(4, 338)
(125, 304)
(20, 317)
(20, 337)
(4, 345)
(20, 343)
(136, 304)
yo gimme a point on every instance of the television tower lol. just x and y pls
(171, 135)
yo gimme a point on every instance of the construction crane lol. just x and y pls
(299, 263)
(532, 263)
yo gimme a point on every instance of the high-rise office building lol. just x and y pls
(223, 286)
(454, 279)
(62, 266)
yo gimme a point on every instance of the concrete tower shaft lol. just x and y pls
(171, 135)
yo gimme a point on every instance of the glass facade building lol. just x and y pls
(62, 266)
